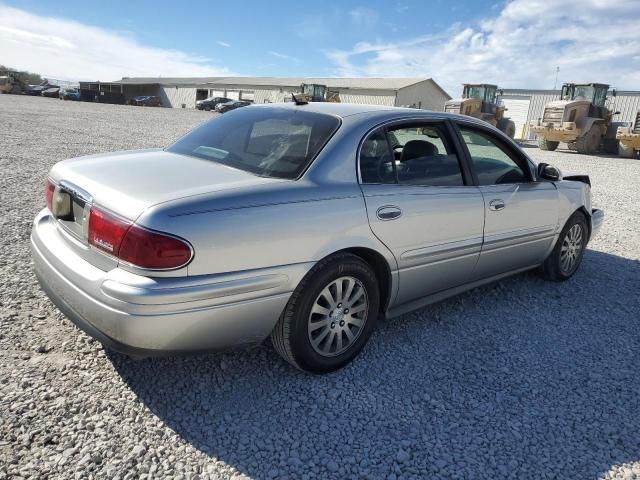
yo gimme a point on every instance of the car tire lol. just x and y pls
(311, 333)
(544, 144)
(207, 108)
(565, 259)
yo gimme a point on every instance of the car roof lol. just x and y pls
(339, 109)
(343, 110)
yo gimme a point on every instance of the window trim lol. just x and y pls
(519, 158)
(447, 129)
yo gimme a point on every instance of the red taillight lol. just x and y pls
(106, 231)
(148, 249)
(136, 245)
(49, 189)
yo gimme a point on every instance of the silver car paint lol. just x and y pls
(256, 238)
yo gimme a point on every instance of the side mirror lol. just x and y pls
(430, 132)
(548, 172)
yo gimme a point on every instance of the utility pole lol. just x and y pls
(555, 82)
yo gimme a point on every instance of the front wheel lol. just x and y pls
(564, 260)
(544, 144)
(330, 315)
(588, 143)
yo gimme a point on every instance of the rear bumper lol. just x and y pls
(597, 219)
(144, 315)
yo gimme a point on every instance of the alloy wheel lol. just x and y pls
(571, 249)
(338, 316)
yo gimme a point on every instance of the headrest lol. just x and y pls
(418, 148)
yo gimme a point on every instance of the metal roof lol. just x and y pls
(335, 82)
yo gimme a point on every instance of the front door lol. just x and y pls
(422, 206)
(521, 215)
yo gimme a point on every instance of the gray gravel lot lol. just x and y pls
(520, 379)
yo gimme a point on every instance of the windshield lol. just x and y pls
(272, 142)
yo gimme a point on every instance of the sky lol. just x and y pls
(512, 43)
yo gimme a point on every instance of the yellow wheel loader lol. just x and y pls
(481, 101)
(629, 139)
(581, 118)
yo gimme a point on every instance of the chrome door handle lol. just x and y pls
(496, 204)
(388, 212)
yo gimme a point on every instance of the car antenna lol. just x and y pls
(298, 101)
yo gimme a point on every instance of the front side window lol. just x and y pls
(416, 154)
(491, 163)
(269, 142)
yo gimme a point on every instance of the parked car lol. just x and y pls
(305, 223)
(211, 103)
(232, 105)
(146, 101)
(69, 94)
(50, 92)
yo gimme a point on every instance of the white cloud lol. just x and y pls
(590, 40)
(66, 49)
(223, 44)
(282, 56)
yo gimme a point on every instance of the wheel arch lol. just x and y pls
(582, 209)
(381, 269)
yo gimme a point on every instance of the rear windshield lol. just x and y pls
(271, 142)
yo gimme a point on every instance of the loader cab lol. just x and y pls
(314, 91)
(483, 92)
(594, 93)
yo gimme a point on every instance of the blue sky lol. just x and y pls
(515, 43)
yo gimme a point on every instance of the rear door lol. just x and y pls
(521, 214)
(421, 205)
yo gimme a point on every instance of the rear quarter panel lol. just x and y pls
(267, 227)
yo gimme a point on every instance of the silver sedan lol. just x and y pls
(305, 223)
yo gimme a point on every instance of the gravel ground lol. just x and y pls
(520, 379)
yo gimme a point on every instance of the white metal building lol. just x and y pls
(526, 106)
(422, 93)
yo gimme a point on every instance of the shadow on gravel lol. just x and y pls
(521, 379)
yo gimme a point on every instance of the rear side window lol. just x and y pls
(376, 159)
(414, 154)
(271, 142)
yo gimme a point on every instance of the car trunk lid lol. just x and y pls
(127, 183)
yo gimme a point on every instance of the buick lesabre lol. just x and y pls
(301, 222)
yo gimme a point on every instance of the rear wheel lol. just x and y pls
(544, 144)
(330, 316)
(589, 142)
(508, 127)
(564, 260)
(626, 151)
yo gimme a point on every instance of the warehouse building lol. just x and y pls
(526, 106)
(422, 93)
